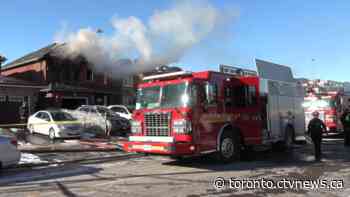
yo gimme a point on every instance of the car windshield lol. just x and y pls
(62, 116)
(119, 110)
(104, 111)
(173, 95)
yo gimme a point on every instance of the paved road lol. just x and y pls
(161, 176)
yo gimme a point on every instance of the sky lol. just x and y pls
(312, 36)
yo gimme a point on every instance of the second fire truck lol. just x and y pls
(192, 113)
(330, 105)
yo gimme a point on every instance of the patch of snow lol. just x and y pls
(21, 143)
(71, 141)
(30, 158)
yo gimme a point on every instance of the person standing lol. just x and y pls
(23, 112)
(315, 129)
(345, 120)
(23, 115)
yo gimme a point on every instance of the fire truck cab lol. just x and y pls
(193, 113)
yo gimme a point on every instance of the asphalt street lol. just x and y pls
(162, 176)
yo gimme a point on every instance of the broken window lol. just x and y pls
(76, 75)
(89, 75)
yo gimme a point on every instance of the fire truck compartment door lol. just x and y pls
(274, 117)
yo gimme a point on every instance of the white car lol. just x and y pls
(55, 124)
(121, 110)
(9, 154)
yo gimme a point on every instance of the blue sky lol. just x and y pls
(311, 36)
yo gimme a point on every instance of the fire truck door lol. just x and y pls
(201, 124)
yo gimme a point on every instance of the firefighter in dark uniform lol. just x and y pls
(315, 129)
(345, 120)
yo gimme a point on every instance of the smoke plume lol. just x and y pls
(163, 39)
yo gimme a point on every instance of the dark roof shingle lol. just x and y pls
(33, 56)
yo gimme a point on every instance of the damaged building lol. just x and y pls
(69, 83)
(13, 92)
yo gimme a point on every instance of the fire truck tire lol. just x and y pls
(230, 147)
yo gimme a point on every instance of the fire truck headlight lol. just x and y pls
(182, 126)
(136, 127)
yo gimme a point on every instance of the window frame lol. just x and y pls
(211, 93)
(48, 116)
(247, 96)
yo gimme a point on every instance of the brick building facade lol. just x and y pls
(13, 92)
(70, 83)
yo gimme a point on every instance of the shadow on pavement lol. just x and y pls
(50, 173)
(333, 150)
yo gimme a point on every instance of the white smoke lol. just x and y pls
(164, 39)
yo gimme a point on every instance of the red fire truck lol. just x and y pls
(193, 113)
(330, 105)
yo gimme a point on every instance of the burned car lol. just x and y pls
(101, 118)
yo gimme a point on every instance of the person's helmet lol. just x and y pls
(315, 114)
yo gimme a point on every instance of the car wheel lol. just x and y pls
(230, 147)
(52, 134)
(31, 129)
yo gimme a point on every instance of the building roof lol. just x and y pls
(31, 57)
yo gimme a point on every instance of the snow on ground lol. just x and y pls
(30, 158)
(21, 143)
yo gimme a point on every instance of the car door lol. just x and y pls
(45, 123)
(36, 121)
(5, 155)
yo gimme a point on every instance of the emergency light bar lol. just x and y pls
(236, 70)
(166, 75)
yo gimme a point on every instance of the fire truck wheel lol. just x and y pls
(230, 148)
